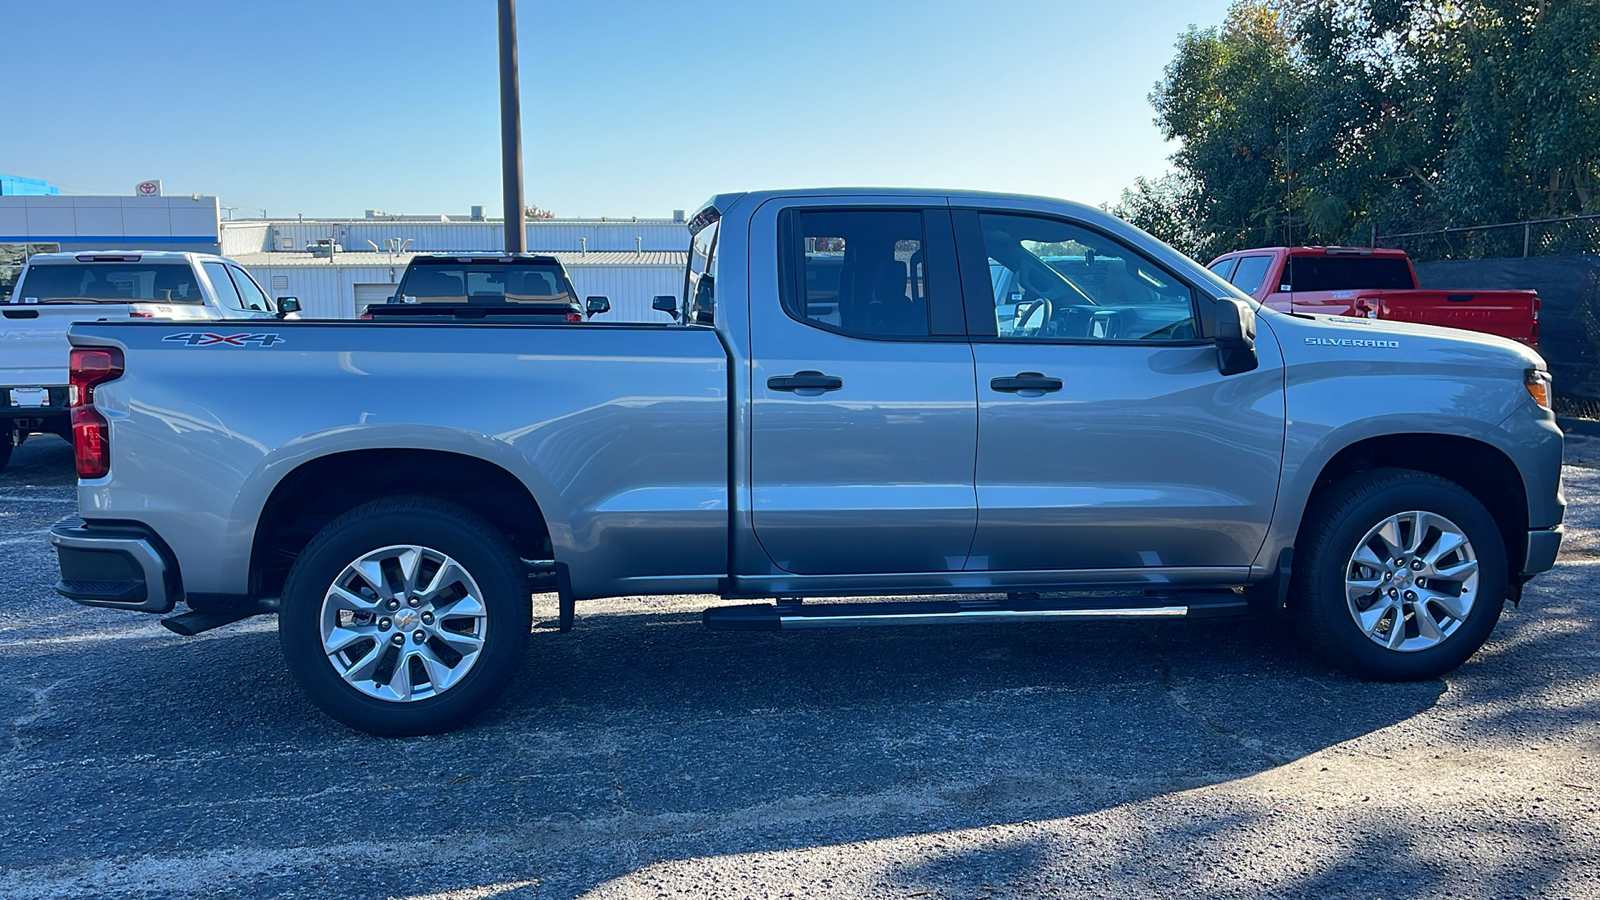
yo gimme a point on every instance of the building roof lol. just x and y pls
(368, 258)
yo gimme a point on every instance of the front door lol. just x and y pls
(1106, 437)
(864, 415)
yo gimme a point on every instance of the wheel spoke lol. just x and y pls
(440, 676)
(1389, 533)
(1397, 630)
(1370, 619)
(371, 571)
(1357, 588)
(1427, 628)
(410, 561)
(342, 637)
(341, 599)
(1448, 543)
(1459, 572)
(1370, 560)
(400, 681)
(464, 644)
(1455, 607)
(467, 607)
(363, 668)
(448, 574)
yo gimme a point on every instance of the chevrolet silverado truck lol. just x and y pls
(57, 289)
(846, 409)
(1375, 284)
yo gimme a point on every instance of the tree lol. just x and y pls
(534, 212)
(1331, 120)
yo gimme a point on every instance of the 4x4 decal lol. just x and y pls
(205, 339)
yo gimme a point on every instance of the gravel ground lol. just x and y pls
(642, 756)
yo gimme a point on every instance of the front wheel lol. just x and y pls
(1402, 578)
(405, 616)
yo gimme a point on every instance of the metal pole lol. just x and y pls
(1527, 235)
(511, 130)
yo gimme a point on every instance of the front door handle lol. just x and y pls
(1025, 381)
(807, 380)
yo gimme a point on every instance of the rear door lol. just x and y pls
(864, 415)
(1107, 440)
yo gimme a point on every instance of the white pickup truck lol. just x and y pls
(57, 289)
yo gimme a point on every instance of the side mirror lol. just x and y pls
(665, 303)
(1236, 336)
(288, 306)
(594, 306)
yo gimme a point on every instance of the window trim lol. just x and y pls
(941, 282)
(981, 325)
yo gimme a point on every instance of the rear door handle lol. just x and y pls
(1025, 381)
(808, 380)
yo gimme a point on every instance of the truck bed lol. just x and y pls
(618, 431)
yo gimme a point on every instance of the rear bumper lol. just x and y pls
(1543, 545)
(120, 566)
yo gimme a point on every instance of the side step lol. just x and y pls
(789, 615)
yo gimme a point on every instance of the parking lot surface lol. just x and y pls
(642, 756)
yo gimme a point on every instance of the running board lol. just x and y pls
(791, 615)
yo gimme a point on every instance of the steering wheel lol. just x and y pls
(1025, 311)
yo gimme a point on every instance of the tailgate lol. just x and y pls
(33, 339)
(1509, 314)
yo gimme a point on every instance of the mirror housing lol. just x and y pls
(288, 306)
(594, 306)
(666, 303)
(1235, 336)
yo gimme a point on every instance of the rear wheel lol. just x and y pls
(1403, 575)
(8, 441)
(405, 616)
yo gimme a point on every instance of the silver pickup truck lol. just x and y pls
(845, 406)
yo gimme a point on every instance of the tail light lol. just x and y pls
(365, 316)
(91, 433)
(574, 317)
(135, 314)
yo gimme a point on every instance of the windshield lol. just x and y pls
(153, 282)
(486, 283)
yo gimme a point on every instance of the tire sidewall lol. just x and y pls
(1328, 622)
(299, 629)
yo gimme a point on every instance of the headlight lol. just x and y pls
(1538, 383)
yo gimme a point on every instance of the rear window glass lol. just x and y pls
(1347, 273)
(109, 283)
(1252, 269)
(485, 283)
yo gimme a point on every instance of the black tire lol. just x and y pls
(1335, 524)
(445, 527)
(8, 441)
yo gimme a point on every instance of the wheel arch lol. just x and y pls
(1479, 467)
(321, 489)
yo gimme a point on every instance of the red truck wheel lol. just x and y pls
(405, 616)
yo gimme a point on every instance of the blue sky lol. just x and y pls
(629, 108)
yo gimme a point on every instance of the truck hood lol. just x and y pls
(1320, 338)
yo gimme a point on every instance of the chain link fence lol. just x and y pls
(1568, 236)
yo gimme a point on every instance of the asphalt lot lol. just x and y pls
(642, 756)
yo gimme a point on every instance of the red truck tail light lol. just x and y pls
(91, 433)
(135, 314)
(574, 317)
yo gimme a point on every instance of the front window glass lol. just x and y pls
(861, 272)
(1252, 270)
(254, 298)
(110, 283)
(1053, 280)
(701, 283)
(227, 294)
(485, 283)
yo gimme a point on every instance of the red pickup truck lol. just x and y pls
(1374, 284)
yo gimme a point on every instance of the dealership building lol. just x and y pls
(337, 266)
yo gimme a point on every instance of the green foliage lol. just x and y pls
(1324, 121)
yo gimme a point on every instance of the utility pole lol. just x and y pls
(511, 130)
